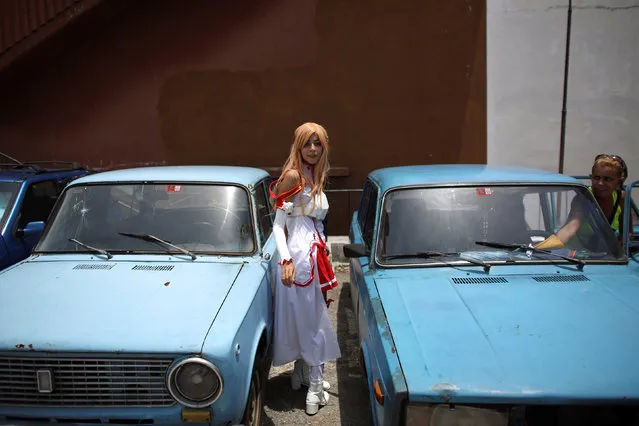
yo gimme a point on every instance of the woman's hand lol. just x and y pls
(288, 274)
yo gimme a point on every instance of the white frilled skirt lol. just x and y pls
(302, 326)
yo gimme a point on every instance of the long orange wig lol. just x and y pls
(295, 162)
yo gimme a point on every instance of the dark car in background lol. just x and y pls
(28, 191)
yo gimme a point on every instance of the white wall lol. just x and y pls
(526, 42)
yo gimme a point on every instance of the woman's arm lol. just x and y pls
(566, 232)
(288, 182)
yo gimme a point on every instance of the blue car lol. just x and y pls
(148, 300)
(28, 192)
(464, 321)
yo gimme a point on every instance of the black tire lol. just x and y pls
(254, 410)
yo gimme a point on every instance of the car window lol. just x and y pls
(363, 204)
(195, 217)
(64, 181)
(38, 202)
(264, 211)
(367, 223)
(452, 219)
(8, 193)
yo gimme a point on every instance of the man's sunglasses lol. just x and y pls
(619, 160)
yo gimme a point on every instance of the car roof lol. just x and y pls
(392, 177)
(228, 174)
(23, 174)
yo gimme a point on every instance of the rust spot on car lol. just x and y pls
(446, 391)
(380, 318)
(19, 346)
(166, 284)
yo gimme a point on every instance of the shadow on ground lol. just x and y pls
(349, 402)
(354, 400)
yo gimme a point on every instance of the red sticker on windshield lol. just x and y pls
(483, 192)
(173, 188)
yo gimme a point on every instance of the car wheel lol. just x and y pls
(255, 401)
(362, 366)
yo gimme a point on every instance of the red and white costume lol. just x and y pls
(303, 329)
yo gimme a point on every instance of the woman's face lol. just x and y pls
(312, 150)
(605, 180)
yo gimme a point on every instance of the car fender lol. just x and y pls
(239, 350)
(378, 351)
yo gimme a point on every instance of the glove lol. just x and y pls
(280, 237)
(550, 243)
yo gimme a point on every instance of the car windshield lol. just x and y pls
(8, 191)
(153, 218)
(416, 222)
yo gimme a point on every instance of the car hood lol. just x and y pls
(545, 338)
(111, 306)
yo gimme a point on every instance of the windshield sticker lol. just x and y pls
(173, 188)
(484, 192)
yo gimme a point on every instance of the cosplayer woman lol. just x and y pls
(303, 330)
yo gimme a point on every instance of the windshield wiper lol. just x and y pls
(429, 254)
(476, 262)
(419, 254)
(94, 249)
(153, 238)
(580, 263)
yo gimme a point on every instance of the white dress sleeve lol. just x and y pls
(279, 234)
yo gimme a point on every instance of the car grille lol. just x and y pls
(79, 382)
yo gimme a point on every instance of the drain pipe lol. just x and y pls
(562, 139)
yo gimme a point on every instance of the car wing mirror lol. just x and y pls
(31, 228)
(355, 250)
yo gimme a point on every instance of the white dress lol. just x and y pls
(302, 326)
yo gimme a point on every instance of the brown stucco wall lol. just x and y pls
(201, 82)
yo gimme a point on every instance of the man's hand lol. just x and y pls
(288, 274)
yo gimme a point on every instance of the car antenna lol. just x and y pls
(10, 158)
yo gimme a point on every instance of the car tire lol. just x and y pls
(362, 366)
(255, 401)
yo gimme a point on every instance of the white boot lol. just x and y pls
(300, 376)
(315, 397)
(297, 377)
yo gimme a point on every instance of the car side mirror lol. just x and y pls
(31, 228)
(355, 250)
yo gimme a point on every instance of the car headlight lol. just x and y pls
(194, 382)
(460, 415)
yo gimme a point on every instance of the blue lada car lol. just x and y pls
(147, 300)
(464, 321)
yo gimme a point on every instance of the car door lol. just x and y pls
(265, 217)
(362, 229)
(9, 193)
(34, 205)
(380, 360)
